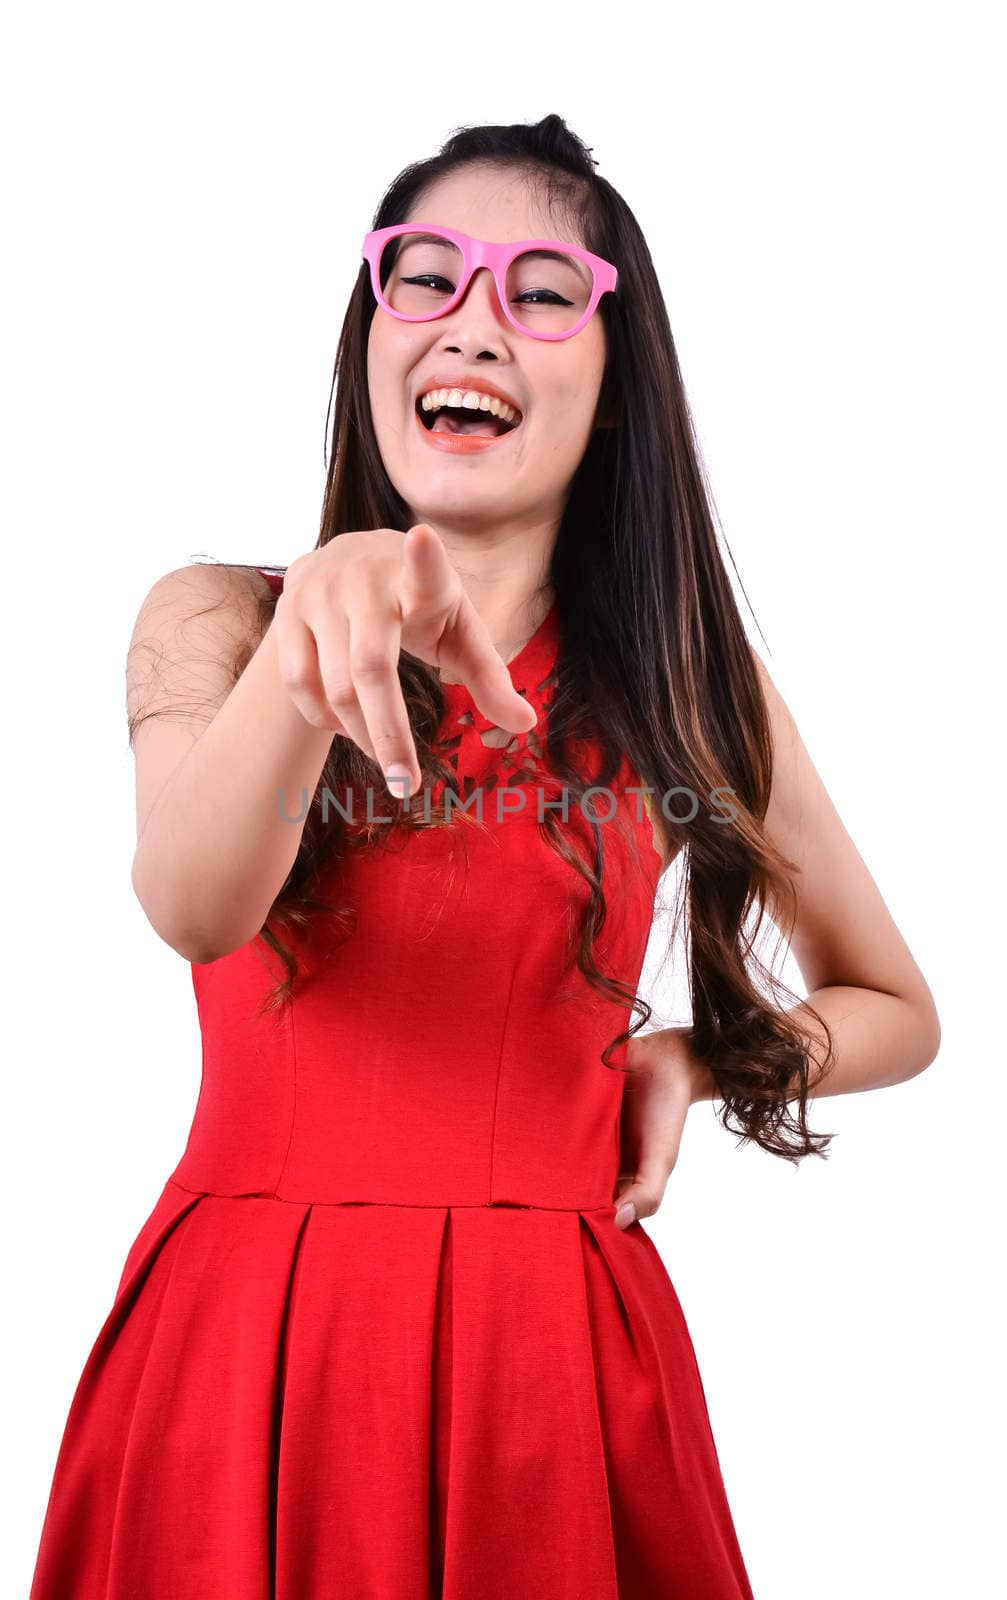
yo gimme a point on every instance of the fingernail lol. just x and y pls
(625, 1215)
(398, 773)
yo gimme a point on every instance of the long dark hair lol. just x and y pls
(654, 657)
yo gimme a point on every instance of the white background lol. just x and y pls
(186, 189)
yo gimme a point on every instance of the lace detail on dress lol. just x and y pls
(500, 758)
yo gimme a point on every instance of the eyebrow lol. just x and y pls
(550, 255)
(436, 238)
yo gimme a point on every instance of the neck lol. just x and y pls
(505, 574)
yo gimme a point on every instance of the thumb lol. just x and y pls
(643, 1196)
(426, 565)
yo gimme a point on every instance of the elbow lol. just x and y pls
(933, 1040)
(202, 952)
(197, 944)
(927, 1034)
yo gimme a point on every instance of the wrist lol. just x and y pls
(699, 1080)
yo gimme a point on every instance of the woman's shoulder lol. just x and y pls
(220, 580)
(262, 587)
(273, 576)
(196, 630)
(262, 583)
(232, 602)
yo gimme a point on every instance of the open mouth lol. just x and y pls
(468, 420)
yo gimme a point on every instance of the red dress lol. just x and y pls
(380, 1337)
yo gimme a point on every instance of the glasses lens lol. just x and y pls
(548, 291)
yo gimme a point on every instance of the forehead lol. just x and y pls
(495, 203)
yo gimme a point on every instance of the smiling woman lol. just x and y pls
(393, 1322)
(492, 244)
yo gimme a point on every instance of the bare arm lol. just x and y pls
(860, 973)
(221, 765)
(213, 849)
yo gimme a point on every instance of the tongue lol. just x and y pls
(486, 427)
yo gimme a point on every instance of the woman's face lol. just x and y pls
(524, 481)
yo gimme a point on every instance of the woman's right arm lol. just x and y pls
(220, 764)
(212, 756)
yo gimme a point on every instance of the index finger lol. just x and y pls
(428, 581)
(474, 660)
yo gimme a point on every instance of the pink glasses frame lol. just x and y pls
(497, 257)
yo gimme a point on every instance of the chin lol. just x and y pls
(455, 507)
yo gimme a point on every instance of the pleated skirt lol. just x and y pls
(293, 1401)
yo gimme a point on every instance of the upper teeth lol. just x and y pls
(435, 398)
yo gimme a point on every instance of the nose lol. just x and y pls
(481, 296)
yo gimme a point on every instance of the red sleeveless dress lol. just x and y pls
(380, 1337)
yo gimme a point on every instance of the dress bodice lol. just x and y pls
(447, 1051)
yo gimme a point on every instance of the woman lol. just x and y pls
(393, 1328)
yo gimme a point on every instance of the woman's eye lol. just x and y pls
(430, 279)
(554, 298)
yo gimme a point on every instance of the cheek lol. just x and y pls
(573, 380)
(569, 412)
(380, 364)
(394, 351)
(380, 355)
(394, 344)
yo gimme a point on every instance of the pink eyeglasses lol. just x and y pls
(549, 289)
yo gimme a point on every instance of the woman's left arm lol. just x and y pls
(859, 971)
